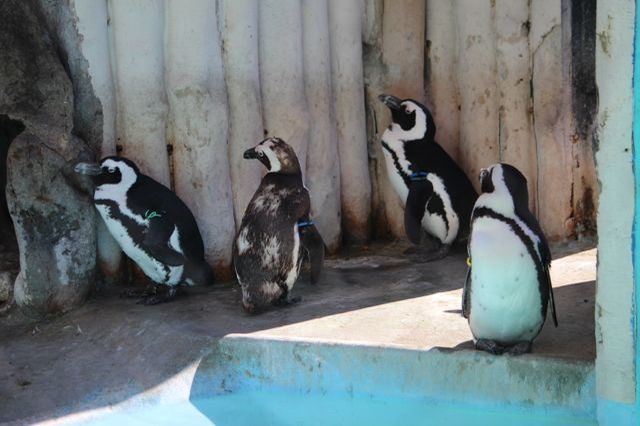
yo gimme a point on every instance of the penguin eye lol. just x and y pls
(260, 154)
(112, 170)
(406, 110)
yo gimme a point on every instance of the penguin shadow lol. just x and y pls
(345, 285)
(574, 338)
(114, 347)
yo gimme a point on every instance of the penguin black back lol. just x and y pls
(516, 184)
(432, 157)
(438, 195)
(151, 223)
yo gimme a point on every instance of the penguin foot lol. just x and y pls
(138, 292)
(157, 298)
(490, 346)
(519, 348)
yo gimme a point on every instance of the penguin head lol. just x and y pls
(411, 119)
(276, 155)
(110, 171)
(506, 180)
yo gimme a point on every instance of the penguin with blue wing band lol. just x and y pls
(437, 195)
(276, 231)
(508, 288)
(151, 224)
(313, 245)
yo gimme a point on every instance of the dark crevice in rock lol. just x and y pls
(9, 257)
(9, 129)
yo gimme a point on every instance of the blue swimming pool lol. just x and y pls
(282, 408)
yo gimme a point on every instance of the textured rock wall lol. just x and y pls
(54, 220)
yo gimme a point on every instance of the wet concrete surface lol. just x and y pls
(111, 348)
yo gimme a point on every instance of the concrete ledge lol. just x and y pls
(240, 363)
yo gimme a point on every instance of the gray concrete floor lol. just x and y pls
(373, 296)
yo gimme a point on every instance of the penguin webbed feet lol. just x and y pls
(286, 300)
(495, 348)
(138, 292)
(151, 294)
(490, 346)
(167, 295)
(519, 348)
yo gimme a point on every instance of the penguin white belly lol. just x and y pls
(435, 224)
(505, 294)
(296, 261)
(274, 253)
(397, 182)
(153, 269)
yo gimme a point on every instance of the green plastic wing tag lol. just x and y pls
(150, 214)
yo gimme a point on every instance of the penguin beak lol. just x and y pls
(250, 153)
(92, 169)
(391, 102)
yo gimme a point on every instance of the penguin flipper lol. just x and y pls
(419, 193)
(552, 302)
(465, 294)
(314, 245)
(156, 240)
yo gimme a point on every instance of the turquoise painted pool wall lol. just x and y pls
(240, 364)
(636, 221)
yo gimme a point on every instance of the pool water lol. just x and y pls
(287, 408)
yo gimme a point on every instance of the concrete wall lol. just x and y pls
(617, 156)
(184, 97)
(185, 104)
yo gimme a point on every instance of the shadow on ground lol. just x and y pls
(112, 349)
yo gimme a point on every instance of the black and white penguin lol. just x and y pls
(151, 224)
(276, 231)
(508, 287)
(437, 194)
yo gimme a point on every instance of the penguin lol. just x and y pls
(276, 231)
(437, 195)
(151, 224)
(508, 288)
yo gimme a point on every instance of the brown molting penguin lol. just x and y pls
(276, 231)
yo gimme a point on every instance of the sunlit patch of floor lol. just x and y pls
(434, 320)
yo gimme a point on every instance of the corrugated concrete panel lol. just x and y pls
(284, 103)
(345, 22)
(138, 60)
(239, 33)
(323, 164)
(491, 72)
(199, 124)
